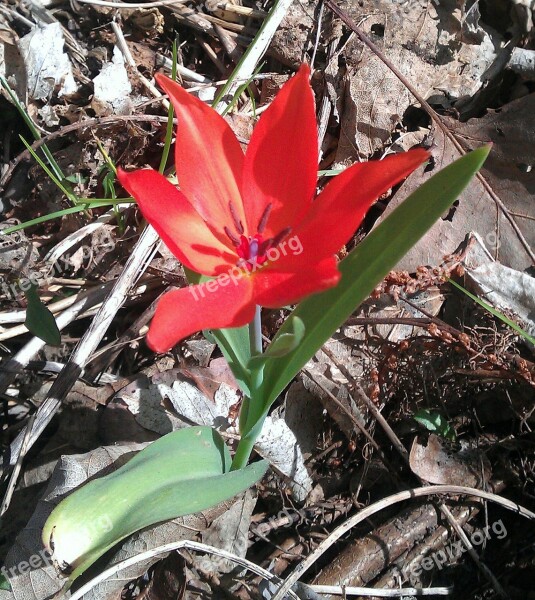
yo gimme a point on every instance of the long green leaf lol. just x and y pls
(366, 266)
(182, 473)
(86, 204)
(235, 346)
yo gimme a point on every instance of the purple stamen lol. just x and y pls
(263, 219)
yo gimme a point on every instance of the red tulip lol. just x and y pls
(250, 220)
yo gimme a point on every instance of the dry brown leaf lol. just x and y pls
(510, 167)
(437, 462)
(435, 46)
(475, 211)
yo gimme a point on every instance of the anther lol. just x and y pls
(231, 236)
(237, 223)
(263, 219)
(265, 246)
(280, 236)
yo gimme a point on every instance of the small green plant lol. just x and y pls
(249, 234)
(435, 422)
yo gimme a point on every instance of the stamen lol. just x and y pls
(231, 236)
(237, 223)
(280, 236)
(265, 246)
(263, 219)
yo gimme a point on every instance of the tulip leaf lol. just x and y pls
(235, 346)
(39, 320)
(282, 345)
(364, 268)
(184, 472)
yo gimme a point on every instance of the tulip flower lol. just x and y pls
(251, 220)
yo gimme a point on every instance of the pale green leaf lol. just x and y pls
(184, 472)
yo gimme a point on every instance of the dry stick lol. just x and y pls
(213, 5)
(18, 466)
(134, 268)
(405, 456)
(379, 506)
(19, 316)
(193, 19)
(436, 118)
(129, 59)
(185, 73)
(210, 52)
(148, 554)
(110, 4)
(229, 44)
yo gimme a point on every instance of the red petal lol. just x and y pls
(209, 159)
(182, 312)
(177, 222)
(274, 288)
(281, 161)
(339, 209)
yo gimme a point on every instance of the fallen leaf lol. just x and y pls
(435, 460)
(475, 211)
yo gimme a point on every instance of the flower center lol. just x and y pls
(253, 250)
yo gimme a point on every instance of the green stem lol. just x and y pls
(246, 443)
(243, 452)
(255, 333)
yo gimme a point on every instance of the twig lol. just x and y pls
(380, 593)
(318, 34)
(213, 5)
(229, 44)
(376, 507)
(110, 4)
(143, 556)
(210, 52)
(431, 112)
(129, 59)
(187, 74)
